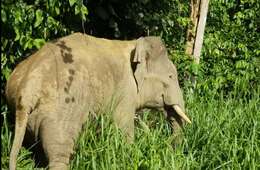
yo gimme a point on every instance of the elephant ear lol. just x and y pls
(140, 60)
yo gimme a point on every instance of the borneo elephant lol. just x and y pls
(55, 90)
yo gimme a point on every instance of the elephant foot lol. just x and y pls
(58, 166)
(178, 138)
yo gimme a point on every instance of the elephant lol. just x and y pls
(56, 89)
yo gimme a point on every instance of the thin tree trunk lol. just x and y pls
(192, 29)
(195, 32)
(200, 30)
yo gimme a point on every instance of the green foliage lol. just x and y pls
(135, 18)
(230, 59)
(167, 18)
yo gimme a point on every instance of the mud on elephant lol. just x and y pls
(54, 90)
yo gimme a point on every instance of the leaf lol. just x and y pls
(38, 43)
(28, 44)
(77, 9)
(6, 72)
(57, 9)
(72, 2)
(17, 16)
(17, 33)
(3, 15)
(84, 12)
(39, 18)
(51, 20)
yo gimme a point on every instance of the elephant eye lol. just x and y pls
(170, 76)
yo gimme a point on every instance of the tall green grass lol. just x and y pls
(224, 134)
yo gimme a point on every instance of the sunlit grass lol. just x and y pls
(224, 134)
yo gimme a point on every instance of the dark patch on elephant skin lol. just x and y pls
(63, 46)
(66, 90)
(67, 58)
(71, 71)
(65, 52)
(68, 84)
(67, 99)
(19, 105)
(70, 79)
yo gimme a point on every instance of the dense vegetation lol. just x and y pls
(224, 104)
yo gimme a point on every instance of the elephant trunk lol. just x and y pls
(173, 100)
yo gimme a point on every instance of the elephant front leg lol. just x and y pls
(124, 119)
(177, 124)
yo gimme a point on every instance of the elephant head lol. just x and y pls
(156, 78)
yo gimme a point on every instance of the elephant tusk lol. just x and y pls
(181, 113)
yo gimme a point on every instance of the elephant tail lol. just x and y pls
(21, 119)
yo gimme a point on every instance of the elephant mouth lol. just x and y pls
(174, 109)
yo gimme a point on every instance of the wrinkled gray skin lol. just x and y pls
(54, 90)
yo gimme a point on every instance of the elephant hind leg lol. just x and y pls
(58, 142)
